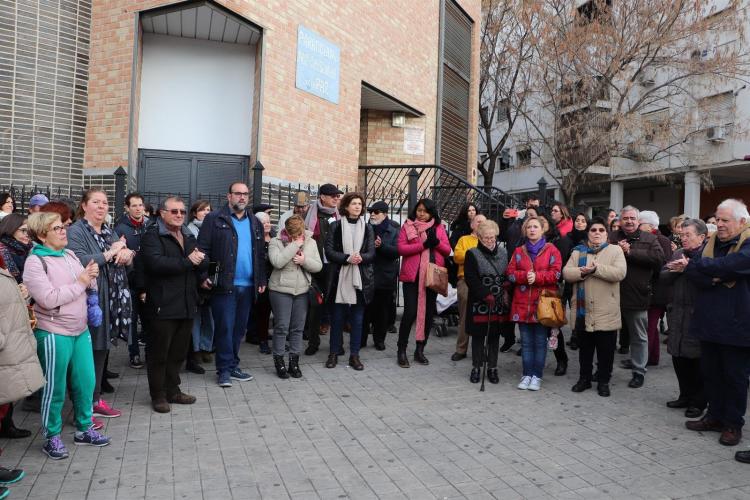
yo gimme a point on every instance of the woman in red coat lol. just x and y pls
(535, 266)
(422, 240)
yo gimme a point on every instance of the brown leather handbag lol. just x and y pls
(550, 311)
(437, 279)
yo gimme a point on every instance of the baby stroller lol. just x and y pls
(447, 311)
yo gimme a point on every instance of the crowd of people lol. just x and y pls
(191, 285)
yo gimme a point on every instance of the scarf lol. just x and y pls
(416, 230)
(18, 252)
(197, 223)
(710, 247)
(381, 227)
(350, 278)
(583, 250)
(137, 223)
(311, 219)
(119, 293)
(45, 251)
(535, 248)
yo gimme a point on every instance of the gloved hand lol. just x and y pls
(489, 300)
(432, 240)
(93, 311)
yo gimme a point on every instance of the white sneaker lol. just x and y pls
(536, 384)
(525, 381)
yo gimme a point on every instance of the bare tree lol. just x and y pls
(508, 37)
(613, 83)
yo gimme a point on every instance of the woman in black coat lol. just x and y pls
(462, 225)
(484, 273)
(350, 251)
(565, 247)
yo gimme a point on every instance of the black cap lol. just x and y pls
(329, 190)
(261, 207)
(380, 206)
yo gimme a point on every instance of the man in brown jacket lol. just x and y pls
(644, 257)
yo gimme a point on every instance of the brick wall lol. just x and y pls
(303, 138)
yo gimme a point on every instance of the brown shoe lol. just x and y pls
(704, 425)
(333, 360)
(206, 357)
(182, 399)
(730, 437)
(160, 405)
(355, 363)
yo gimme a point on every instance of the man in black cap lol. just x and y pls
(386, 275)
(318, 219)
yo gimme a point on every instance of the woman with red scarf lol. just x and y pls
(422, 240)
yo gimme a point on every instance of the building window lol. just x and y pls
(656, 126)
(503, 107)
(523, 157)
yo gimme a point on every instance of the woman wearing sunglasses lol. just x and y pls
(596, 268)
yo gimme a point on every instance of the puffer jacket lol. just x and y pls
(20, 372)
(411, 251)
(602, 288)
(547, 266)
(288, 277)
(681, 342)
(334, 249)
(645, 260)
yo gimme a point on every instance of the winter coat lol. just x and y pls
(645, 259)
(132, 233)
(59, 298)
(511, 234)
(336, 257)
(20, 372)
(386, 258)
(681, 342)
(169, 278)
(458, 231)
(218, 240)
(662, 289)
(547, 266)
(602, 288)
(288, 277)
(484, 273)
(83, 244)
(461, 249)
(722, 314)
(565, 226)
(411, 253)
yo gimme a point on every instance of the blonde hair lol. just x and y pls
(528, 221)
(487, 226)
(39, 223)
(294, 225)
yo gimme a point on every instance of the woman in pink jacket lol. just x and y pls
(422, 240)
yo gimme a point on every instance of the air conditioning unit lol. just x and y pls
(716, 134)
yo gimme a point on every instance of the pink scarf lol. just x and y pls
(418, 230)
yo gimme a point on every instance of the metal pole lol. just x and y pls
(258, 183)
(542, 183)
(413, 182)
(120, 187)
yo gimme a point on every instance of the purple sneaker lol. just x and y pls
(55, 448)
(90, 437)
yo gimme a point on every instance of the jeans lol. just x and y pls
(165, 354)
(231, 312)
(203, 329)
(637, 324)
(604, 343)
(289, 315)
(339, 314)
(725, 373)
(534, 348)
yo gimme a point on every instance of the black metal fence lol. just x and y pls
(23, 193)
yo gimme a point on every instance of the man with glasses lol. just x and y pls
(232, 239)
(644, 257)
(318, 219)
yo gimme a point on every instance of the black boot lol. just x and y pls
(602, 388)
(403, 360)
(419, 356)
(493, 376)
(278, 362)
(474, 376)
(562, 368)
(294, 370)
(192, 365)
(581, 385)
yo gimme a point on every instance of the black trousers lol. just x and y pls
(624, 336)
(604, 343)
(477, 349)
(410, 313)
(725, 374)
(690, 380)
(377, 316)
(560, 354)
(169, 341)
(316, 311)
(508, 330)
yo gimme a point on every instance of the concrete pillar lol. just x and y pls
(692, 194)
(616, 195)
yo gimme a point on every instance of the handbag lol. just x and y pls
(437, 277)
(549, 311)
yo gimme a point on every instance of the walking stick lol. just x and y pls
(484, 349)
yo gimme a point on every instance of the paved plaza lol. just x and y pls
(388, 432)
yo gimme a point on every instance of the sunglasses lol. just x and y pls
(177, 211)
(597, 230)
(375, 212)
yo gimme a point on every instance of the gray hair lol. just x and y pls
(739, 209)
(263, 217)
(176, 199)
(649, 217)
(699, 225)
(630, 208)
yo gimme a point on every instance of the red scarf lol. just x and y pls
(418, 230)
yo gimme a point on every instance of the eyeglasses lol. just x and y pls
(376, 212)
(177, 211)
(241, 193)
(24, 230)
(59, 229)
(597, 230)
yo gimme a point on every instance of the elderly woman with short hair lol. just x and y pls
(58, 283)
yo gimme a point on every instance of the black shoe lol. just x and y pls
(278, 363)
(311, 350)
(493, 376)
(392, 329)
(380, 346)
(602, 389)
(332, 361)
(193, 367)
(507, 344)
(627, 364)
(562, 368)
(107, 387)
(581, 385)
(573, 344)
(264, 349)
(678, 403)
(13, 432)
(474, 376)
(10, 476)
(458, 356)
(109, 374)
(403, 359)
(693, 412)
(624, 349)
(636, 381)
(294, 370)
(419, 356)
(743, 456)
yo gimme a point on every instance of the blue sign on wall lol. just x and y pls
(318, 63)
